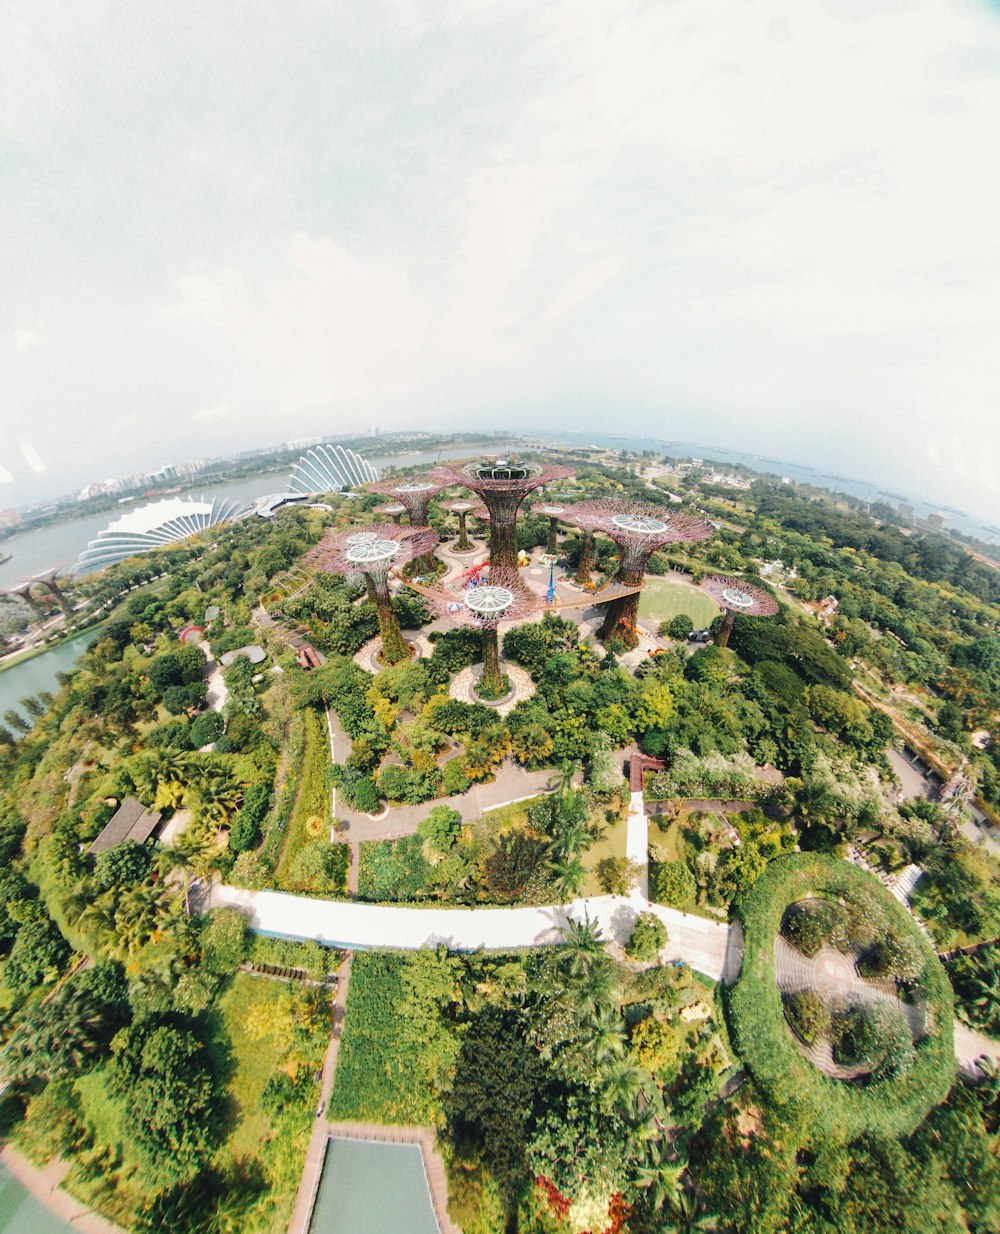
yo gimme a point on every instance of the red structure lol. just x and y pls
(371, 552)
(502, 484)
(484, 604)
(638, 530)
(735, 596)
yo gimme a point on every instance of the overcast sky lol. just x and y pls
(769, 225)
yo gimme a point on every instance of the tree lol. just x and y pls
(617, 875)
(162, 1075)
(65, 1035)
(674, 883)
(123, 865)
(38, 954)
(439, 830)
(678, 627)
(604, 775)
(570, 875)
(224, 941)
(649, 937)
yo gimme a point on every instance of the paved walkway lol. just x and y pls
(522, 686)
(218, 694)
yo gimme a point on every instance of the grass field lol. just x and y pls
(663, 598)
(612, 845)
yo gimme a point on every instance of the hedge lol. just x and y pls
(800, 1092)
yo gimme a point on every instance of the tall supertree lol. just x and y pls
(503, 484)
(371, 553)
(638, 530)
(412, 492)
(462, 509)
(553, 513)
(734, 596)
(484, 606)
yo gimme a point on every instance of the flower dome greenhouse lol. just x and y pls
(330, 469)
(154, 526)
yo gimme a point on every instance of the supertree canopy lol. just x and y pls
(412, 492)
(392, 509)
(503, 484)
(553, 511)
(462, 508)
(638, 530)
(735, 596)
(484, 606)
(371, 552)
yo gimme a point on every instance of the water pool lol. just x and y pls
(369, 1188)
(20, 1213)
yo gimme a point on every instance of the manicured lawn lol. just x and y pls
(663, 598)
(612, 845)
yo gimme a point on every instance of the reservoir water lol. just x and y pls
(39, 673)
(20, 1213)
(369, 1188)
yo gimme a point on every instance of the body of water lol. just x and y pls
(866, 490)
(39, 673)
(21, 1213)
(60, 544)
(369, 1188)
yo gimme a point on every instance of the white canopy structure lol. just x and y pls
(154, 526)
(330, 469)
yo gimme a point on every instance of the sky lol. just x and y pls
(771, 226)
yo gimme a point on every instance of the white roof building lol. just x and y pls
(154, 526)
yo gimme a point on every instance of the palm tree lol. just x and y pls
(570, 875)
(623, 1083)
(659, 1175)
(984, 995)
(607, 1037)
(687, 1215)
(583, 944)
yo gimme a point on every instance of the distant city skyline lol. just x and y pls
(771, 230)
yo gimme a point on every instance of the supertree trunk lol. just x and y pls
(394, 648)
(397, 518)
(503, 545)
(552, 546)
(586, 558)
(58, 595)
(463, 534)
(370, 588)
(722, 638)
(622, 614)
(492, 681)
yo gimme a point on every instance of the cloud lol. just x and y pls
(28, 338)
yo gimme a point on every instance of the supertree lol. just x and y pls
(414, 493)
(502, 484)
(735, 596)
(638, 530)
(371, 553)
(392, 509)
(553, 513)
(484, 606)
(462, 508)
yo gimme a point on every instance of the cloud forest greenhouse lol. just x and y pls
(154, 526)
(330, 469)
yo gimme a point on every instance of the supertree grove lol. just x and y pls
(484, 606)
(638, 530)
(371, 553)
(734, 596)
(502, 484)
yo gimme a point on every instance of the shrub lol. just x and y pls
(125, 865)
(674, 883)
(654, 1043)
(649, 937)
(815, 923)
(224, 941)
(617, 875)
(454, 778)
(207, 728)
(439, 830)
(896, 956)
(872, 1035)
(807, 1014)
